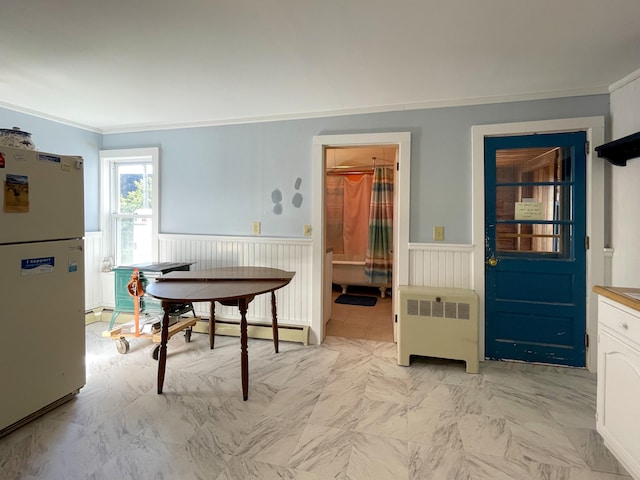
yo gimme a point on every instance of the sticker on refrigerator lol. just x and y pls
(16, 193)
(49, 158)
(37, 266)
(76, 256)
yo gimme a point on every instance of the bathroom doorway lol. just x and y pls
(321, 301)
(359, 198)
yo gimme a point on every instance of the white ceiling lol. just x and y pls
(124, 65)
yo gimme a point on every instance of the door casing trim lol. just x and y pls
(401, 234)
(594, 128)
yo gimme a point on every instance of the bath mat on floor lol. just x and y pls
(360, 300)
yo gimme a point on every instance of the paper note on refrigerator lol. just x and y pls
(16, 193)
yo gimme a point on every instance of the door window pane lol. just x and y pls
(532, 203)
(527, 237)
(534, 164)
(533, 200)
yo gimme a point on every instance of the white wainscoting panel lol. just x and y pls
(290, 254)
(435, 265)
(92, 265)
(440, 265)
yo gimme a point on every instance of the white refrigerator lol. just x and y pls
(42, 342)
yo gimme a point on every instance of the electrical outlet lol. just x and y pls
(255, 228)
(307, 230)
(438, 233)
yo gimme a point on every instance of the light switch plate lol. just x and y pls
(255, 228)
(438, 233)
(307, 230)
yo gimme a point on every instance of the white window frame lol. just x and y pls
(108, 158)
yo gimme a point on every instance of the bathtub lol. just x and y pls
(350, 271)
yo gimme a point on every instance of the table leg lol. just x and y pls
(164, 337)
(212, 323)
(274, 321)
(244, 355)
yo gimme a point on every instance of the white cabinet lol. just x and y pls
(619, 382)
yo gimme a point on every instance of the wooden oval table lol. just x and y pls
(231, 286)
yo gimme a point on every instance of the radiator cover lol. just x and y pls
(438, 322)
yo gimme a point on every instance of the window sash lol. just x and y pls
(112, 219)
(132, 236)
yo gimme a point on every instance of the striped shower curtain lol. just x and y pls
(379, 262)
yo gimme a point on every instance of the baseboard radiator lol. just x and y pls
(438, 322)
(287, 333)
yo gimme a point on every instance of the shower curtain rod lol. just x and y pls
(350, 169)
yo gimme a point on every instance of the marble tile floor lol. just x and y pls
(342, 410)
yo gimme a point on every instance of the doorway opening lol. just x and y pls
(322, 298)
(360, 186)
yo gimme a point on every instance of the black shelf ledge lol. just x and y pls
(621, 150)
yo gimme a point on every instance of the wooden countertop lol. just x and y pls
(626, 296)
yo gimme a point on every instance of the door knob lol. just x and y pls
(492, 262)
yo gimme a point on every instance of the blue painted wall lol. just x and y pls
(218, 180)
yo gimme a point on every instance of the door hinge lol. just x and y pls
(395, 319)
(586, 242)
(586, 340)
(587, 147)
(397, 166)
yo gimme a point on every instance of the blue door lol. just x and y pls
(535, 248)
